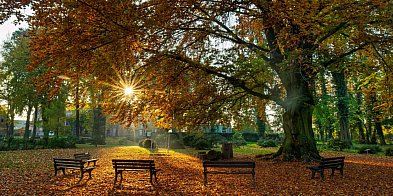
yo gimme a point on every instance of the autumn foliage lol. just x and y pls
(32, 173)
(208, 62)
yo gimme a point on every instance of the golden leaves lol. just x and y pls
(31, 172)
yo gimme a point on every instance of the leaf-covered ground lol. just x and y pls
(32, 173)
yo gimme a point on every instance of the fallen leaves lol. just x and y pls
(31, 173)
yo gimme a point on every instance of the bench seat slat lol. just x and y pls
(229, 172)
(66, 163)
(121, 165)
(134, 164)
(333, 163)
(228, 167)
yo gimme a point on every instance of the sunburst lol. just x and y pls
(125, 87)
(125, 94)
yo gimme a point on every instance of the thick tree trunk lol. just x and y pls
(299, 141)
(368, 130)
(359, 122)
(27, 124)
(374, 136)
(378, 128)
(45, 122)
(342, 105)
(35, 121)
(10, 129)
(99, 127)
(321, 130)
(77, 111)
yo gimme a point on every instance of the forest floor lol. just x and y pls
(31, 172)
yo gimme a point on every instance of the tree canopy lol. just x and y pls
(196, 62)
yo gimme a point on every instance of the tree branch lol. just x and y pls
(232, 80)
(334, 60)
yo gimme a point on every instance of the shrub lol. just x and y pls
(373, 149)
(238, 140)
(62, 142)
(389, 152)
(201, 144)
(176, 144)
(336, 144)
(267, 143)
(147, 143)
(161, 139)
(274, 136)
(197, 140)
(123, 141)
(250, 136)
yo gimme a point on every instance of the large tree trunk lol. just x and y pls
(378, 128)
(342, 105)
(299, 141)
(261, 126)
(99, 127)
(10, 128)
(45, 122)
(359, 122)
(27, 124)
(35, 121)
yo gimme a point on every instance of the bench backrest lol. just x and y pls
(71, 163)
(84, 156)
(133, 164)
(333, 161)
(229, 164)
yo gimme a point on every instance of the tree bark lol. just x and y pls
(27, 124)
(342, 105)
(299, 141)
(33, 135)
(98, 127)
(378, 128)
(359, 122)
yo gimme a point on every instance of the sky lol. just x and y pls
(9, 27)
(6, 31)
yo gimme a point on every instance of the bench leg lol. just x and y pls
(155, 176)
(204, 179)
(333, 169)
(115, 177)
(64, 171)
(90, 173)
(312, 174)
(322, 174)
(253, 179)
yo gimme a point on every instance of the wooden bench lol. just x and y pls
(76, 164)
(86, 157)
(121, 165)
(333, 163)
(243, 167)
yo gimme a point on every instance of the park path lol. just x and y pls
(31, 173)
